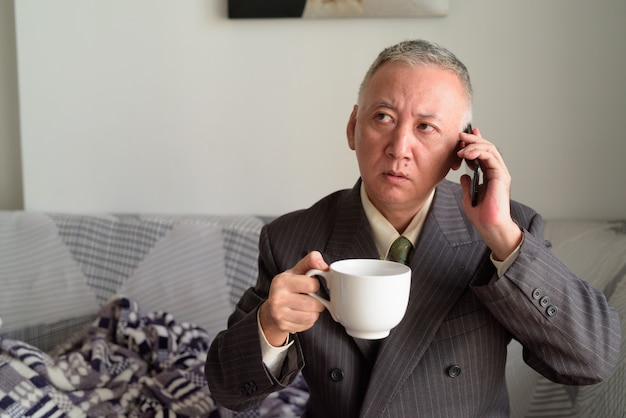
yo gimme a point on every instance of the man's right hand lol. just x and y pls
(288, 308)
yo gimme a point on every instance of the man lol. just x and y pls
(481, 274)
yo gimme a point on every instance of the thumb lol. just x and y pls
(465, 181)
(312, 260)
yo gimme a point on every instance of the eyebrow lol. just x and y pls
(432, 117)
(421, 115)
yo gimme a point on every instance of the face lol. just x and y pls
(405, 132)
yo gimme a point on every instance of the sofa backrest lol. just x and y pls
(57, 270)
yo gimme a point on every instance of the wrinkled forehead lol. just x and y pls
(419, 79)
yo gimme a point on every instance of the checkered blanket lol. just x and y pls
(125, 364)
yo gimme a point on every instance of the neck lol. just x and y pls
(401, 218)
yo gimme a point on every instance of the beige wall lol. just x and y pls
(10, 161)
(162, 106)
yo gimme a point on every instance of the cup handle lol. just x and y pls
(325, 302)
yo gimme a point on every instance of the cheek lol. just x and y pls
(448, 151)
(367, 148)
(440, 160)
(364, 156)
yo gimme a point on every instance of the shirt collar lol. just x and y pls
(384, 233)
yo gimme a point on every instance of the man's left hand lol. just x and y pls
(492, 215)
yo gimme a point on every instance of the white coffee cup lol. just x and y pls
(367, 296)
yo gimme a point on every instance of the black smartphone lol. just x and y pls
(475, 168)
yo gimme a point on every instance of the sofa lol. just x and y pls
(112, 314)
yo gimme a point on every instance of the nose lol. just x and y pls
(399, 145)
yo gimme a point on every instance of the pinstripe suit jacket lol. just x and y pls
(447, 356)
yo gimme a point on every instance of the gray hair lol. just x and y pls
(421, 52)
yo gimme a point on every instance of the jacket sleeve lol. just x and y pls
(569, 332)
(237, 377)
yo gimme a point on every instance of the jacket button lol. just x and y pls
(545, 301)
(248, 388)
(552, 310)
(336, 375)
(454, 371)
(537, 294)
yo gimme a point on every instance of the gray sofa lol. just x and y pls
(156, 289)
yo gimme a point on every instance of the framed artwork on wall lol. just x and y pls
(320, 9)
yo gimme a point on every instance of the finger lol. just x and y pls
(312, 260)
(298, 321)
(287, 284)
(465, 181)
(466, 186)
(486, 153)
(297, 304)
(296, 313)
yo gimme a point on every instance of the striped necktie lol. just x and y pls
(400, 250)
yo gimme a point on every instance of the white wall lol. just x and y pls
(10, 160)
(163, 106)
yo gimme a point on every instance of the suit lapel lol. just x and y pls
(441, 264)
(352, 234)
(352, 238)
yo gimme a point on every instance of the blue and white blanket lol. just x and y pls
(125, 364)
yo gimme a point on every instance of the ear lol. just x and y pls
(351, 128)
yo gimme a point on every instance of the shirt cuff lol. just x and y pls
(273, 357)
(503, 266)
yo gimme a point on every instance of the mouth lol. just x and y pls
(394, 175)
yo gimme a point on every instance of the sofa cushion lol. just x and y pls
(41, 281)
(183, 274)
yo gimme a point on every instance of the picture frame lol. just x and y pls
(327, 9)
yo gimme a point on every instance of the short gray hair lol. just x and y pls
(421, 52)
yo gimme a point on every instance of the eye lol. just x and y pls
(384, 118)
(425, 127)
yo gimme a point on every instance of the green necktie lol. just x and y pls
(400, 250)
